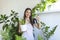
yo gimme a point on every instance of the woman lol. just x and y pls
(28, 33)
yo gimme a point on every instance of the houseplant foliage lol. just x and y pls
(10, 26)
(46, 32)
(39, 37)
(42, 6)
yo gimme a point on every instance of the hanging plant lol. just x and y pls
(42, 6)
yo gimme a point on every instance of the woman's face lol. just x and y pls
(28, 13)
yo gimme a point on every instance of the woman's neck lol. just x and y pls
(27, 20)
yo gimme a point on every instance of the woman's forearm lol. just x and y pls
(38, 20)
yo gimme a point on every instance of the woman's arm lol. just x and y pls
(19, 32)
(38, 22)
(19, 27)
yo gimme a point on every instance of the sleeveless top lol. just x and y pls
(28, 31)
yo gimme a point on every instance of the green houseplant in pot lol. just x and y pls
(10, 26)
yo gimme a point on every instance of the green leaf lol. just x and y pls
(5, 26)
(6, 17)
(12, 11)
(51, 1)
(52, 31)
(2, 16)
(8, 20)
(43, 24)
(46, 28)
(33, 15)
(19, 37)
(39, 37)
(1, 22)
(22, 21)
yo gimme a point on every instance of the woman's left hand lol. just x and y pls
(38, 18)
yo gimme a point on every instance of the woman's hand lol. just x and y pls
(38, 18)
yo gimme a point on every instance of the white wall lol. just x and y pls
(52, 19)
(19, 6)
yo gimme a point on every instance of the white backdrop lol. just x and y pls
(19, 6)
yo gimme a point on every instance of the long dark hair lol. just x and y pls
(29, 17)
